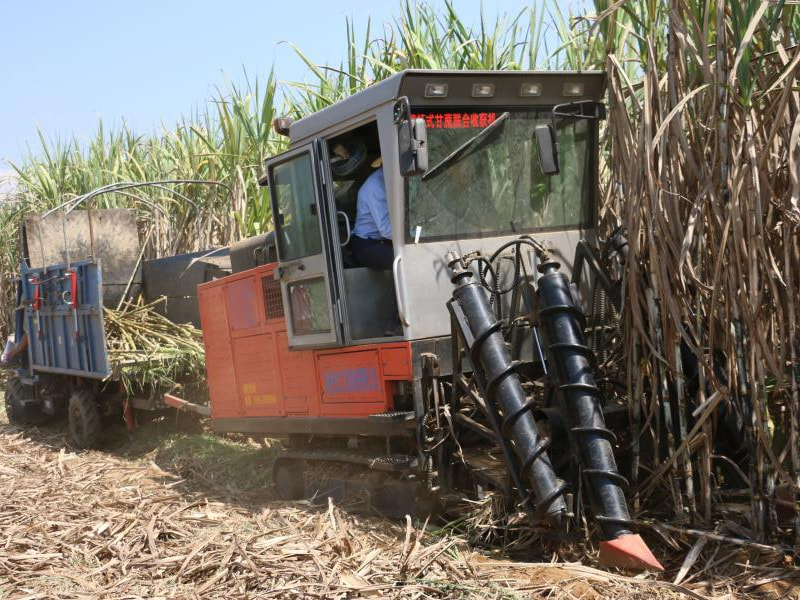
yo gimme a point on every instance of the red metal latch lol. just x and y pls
(37, 301)
(73, 301)
(73, 288)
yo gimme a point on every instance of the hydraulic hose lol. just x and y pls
(495, 371)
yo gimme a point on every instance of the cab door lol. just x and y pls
(299, 188)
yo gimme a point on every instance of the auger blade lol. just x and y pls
(628, 552)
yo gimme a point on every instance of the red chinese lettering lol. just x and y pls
(482, 119)
(474, 119)
(448, 120)
(491, 118)
(429, 120)
(439, 118)
(456, 120)
(465, 121)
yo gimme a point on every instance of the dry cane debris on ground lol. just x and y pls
(99, 525)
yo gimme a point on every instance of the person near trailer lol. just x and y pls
(15, 347)
(370, 241)
(12, 351)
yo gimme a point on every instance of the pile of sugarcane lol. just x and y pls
(148, 351)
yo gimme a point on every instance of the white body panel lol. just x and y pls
(425, 281)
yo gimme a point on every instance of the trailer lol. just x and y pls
(74, 267)
(465, 367)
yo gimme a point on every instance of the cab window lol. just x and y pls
(296, 222)
(484, 178)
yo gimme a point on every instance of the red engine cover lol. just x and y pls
(252, 372)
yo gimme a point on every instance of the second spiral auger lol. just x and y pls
(570, 366)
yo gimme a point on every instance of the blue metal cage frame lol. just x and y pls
(63, 314)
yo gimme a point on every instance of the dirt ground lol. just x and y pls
(175, 512)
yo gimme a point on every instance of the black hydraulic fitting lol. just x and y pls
(570, 363)
(496, 375)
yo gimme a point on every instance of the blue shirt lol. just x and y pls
(372, 213)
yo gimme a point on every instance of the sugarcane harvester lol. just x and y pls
(463, 369)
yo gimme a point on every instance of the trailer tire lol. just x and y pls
(18, 411)
(84, 419)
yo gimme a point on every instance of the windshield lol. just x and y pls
(493, 185)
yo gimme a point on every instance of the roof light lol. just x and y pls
(281, 125)
(482, 90)
(530, 89)
(573, 89)
(435, 90)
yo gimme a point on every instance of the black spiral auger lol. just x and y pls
(570, 365)
(508, 408)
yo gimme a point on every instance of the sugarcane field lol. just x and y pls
(426, 299)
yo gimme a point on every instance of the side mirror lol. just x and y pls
(412, 140)
(547, 149)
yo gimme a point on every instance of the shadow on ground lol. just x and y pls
(233, 469)
(230, 468)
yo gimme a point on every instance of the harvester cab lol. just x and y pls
(461, 364)
(483, 186)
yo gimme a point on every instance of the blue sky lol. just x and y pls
(63, 64)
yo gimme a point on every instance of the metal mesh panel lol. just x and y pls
(273, 303)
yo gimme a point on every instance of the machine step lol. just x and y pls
(389, 462)
(394, 416)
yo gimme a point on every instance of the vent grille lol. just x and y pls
(273, 303)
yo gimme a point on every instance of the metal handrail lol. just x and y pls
(398, 292)
(347, 224)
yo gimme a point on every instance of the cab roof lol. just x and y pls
(411, 83)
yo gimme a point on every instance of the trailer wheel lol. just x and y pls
(18, 411)
(84, 419)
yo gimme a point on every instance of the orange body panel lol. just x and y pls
(219, 355)
(357, 381)
(252, 372)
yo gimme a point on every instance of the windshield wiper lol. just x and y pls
(461, 150)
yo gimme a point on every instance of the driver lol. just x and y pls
(370, 242)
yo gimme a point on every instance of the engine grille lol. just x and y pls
(273, 302)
